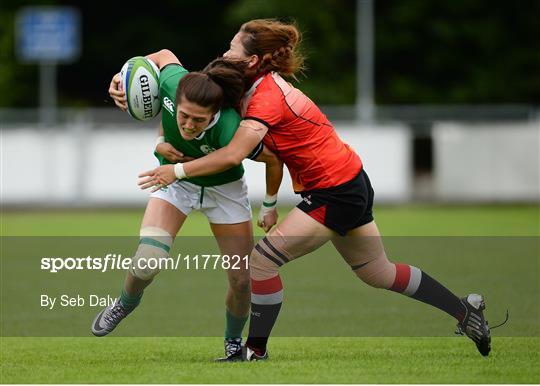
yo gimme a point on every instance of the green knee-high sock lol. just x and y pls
(234, 326)
(130, 302)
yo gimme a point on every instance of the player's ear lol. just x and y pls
(253, 61)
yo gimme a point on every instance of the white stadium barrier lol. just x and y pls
(487, 162)
(99, 167)
(76, 165)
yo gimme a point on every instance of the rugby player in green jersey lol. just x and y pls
(198, 117)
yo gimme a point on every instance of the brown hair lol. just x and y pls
(277, 44)
(217, 86)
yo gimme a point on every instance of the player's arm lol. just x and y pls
(160, 138)
(167, 150)
(160, 58)
(163, 57)
(274, 174)
(274, 170)
(246, 138)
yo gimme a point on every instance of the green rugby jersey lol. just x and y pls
(218, 135)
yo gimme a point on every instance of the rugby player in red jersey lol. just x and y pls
(337, 196)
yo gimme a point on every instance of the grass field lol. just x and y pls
(295, 360)
(469, 220)
(330, 330)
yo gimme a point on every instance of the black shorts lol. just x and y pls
(343, 207)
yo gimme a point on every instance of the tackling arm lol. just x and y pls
(246, 138)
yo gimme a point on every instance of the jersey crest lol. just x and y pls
(169, 105)
(207, 149)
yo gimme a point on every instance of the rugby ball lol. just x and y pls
(140, 82)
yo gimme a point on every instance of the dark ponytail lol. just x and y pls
(230, 77)
(220, 85)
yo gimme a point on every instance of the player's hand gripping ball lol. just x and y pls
(140, 82)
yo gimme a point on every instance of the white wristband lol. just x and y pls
(160, 139)
(179, 171)
(270, 201)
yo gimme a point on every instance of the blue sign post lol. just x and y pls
(48, 36)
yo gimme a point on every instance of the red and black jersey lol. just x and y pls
(300, 134)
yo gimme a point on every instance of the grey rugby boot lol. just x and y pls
(108, 318)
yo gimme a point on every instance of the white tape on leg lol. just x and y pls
(154, 247)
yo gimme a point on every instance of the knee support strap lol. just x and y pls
(266, 258)
(154, 246)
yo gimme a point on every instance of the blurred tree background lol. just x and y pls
(426, 51)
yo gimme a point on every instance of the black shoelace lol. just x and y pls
(115, 314)
(460, 331)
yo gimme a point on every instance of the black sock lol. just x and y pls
(432, 292)
(262, 320)
(413, 282)
(266, 299)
